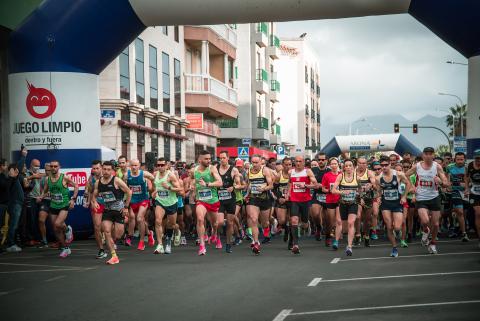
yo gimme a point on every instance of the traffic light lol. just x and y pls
(396, 128)
(415, 128)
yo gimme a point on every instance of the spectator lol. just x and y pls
(3, 191)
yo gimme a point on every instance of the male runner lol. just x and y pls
(366, 178)
(60, 204)
(280, 188)
(112, 191)
(472, 188)
(44, 208)
(320, 198)
(122, 167)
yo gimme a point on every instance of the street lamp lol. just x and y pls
(456, 63)
(461, 105)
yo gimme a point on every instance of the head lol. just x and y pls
(348, 166)
(107, 169)
(13, 170)
(460, 159)
(398, 167)
(256, 162)
(428, 155)
(322, 160)
(48, 169)
(205, 158)
(161, 165)
(406, 165)
(476, 157)
(55, 166)
(286, 164)
(35, 165)
(362, 163)
(135, 166)
(385, 163)
(377, 169)
(122, 162)
(3, 165)
(447, 157)
(333, 163)
(223, 157)
(299, 162)
(313, 164)
(239, 164)
(264, 161)
(247, 165)
(393, 159)
(272, 162)
(439, 160)
(96, 168)
(407, 156)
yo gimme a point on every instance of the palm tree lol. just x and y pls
(442, 149)
(456, 119)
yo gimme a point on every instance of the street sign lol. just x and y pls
(108, 113)
(280, 150)
(243, 152)
(246, 141)
(459, 144)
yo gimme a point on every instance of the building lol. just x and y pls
(210, 84)
(137, 117)
(299, 111)
(258, 89)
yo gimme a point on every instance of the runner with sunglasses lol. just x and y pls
(377, 171)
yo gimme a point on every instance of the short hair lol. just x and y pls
(223, 152)
(331, 159)
(54, 161)
(320, 154)
(256, 155)
(12, 166)
(418, 158)
(407, 153)
(460, 154)
(286, 159)
(438, 158)
(96, 162)
(122, 156)
(108, 163)
(447, 154)
(161, 159)
(3, 161)
(204, 152)
(385, 158)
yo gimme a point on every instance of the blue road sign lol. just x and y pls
(243, 152)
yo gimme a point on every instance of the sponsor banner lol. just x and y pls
(195, 121)
(57, 110)
(386, 142)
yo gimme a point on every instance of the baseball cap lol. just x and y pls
(429, 150)
(239, 162)
(476, 153)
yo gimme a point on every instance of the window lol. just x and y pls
(124, 75)
(165, 30)
(176, 34)
(166, 82)
(166, 142)
(154, 137)
(141, 134)
(260, 108)
(177, 87)
(178, 144)
(153, 77)
(125, 115)
(139, 73)
(306, 74)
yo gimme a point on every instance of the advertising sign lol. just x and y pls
(195, 120)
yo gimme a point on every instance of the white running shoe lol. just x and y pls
(425, 241)
(65, 252)
(69, 235)
(159, 249)
(168, 248)
(183, 241)
(432, 249)
(14, 249)
(176, 238)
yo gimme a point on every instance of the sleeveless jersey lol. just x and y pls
(257, 181)
(281, 188)
(425, 183)
(457, 176)
(205, 194)
(363, 180)
(223, 194)
(390, 190)
(474, 175)
(165, 197)
(138, 186)
(59, 194)
(351, 187)
(298, 191)
(112, 196)
(319, 173)
(99, 199)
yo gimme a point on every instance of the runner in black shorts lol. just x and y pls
(319, 197)
(280, 188)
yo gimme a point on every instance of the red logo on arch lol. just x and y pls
(41, 103)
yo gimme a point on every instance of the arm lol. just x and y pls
(93, 199)
(237, 182)
(121, 184)
(466, 180)
(151, 178)
(411, 171)
(268, 176)
(172, 178)
(335, 189)
(441, 174)
(408, 186)
(218, 180)
(313, 179)
(69, 182)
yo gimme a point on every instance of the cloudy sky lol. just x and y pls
(381, 65)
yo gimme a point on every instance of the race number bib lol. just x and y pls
(162, 194)
(56, 197)
(475, 189)
(299, 187)
(428, 184)
(136, 189)
(223, 195)
(255, 188)
(108, 196)
(205, 195)
(390, 194)
(350, 196)
(322, 198)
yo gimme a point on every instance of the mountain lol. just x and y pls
(383, 124)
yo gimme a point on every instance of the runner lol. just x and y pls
(392, 201)
(366, 178)
(135, 180)
(377, 171)
(319, 210)
(240, 211)
(96, 212)
(282, 206)
(60, 204)
(260, 182)
(456, 175)
(347, 187)
(231, 180)
(206, 181)
(122, 167)
(112, 191)
(411, 215)
(301, 180)
(166, 202)
(430, 175)
(472, 188)
(180, 226)
(331, 202)
(44, 208)
(403, 192)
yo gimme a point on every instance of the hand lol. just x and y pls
(165, 185)
(95, 205)
(72, 204)
(281, 200)
(414, 199)
(154, 194)
(201, 182)
(24, 152)
(38, 199)
(230, 189)
(125, 212)
(403, 200)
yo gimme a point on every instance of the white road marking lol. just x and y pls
(314, 282)
(285, 313)
(10, 292)
(41, 265)
(55, 278)
(335, 260)
(35, 271)
(408, 256)
(399, 276)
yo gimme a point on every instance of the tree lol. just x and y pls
(442, 149)
(457, 113)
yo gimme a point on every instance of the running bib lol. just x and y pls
(475, 189)
(56, 197)
(205, 195)
(255, 188)
(223, 195)
(162, 194)
(425, 183)
(350, 196)
(322, 198)
(108, 197)
(298, 187)
(283, 190)
(390, 195)
(331, 186)
(402, 189)
(136, 189)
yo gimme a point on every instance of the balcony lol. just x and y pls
(210, 128)
(221, 37)
(225, 32)
(262, 123)
(274, 90)
(273, 49)
(227, 123)
(209, 95)
(261, 81)
(261, 34)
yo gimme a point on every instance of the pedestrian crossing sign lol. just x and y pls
(242, 152)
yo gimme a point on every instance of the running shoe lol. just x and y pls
(335, 245)
(65, 252)
(228, 248)
(274, 226)
(394, 252)
(69, 235)
(218, 243)
(256, 248)
(432, 249)
(151, 240)
(374, 235)
(183, 241)
(452, 234)
(238, 240)
(403, 243)
(101, 254)
(266, 240)
(168, 247)
(113, 260)
(348, 251)
(252, 244)
(197, 242)
(357, 241)
(465, 237)
(202, 250)
(366, 240)
(42, 245)
(328, 242)
(212, 240)
(318, 236)
(177, 238)
(141, 246)
(159, 249)
(249, 235)
(14, 249)
(425, 240)
(128, 240)
(290, 244)
(295, 249)
(205, 238)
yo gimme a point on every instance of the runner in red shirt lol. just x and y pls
(331, 200)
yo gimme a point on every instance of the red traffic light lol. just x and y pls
(415, 128)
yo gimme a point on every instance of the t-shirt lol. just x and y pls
(329, 180)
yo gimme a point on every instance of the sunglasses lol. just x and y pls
(161, 165)
(377, 168)
(321, 160)
(384, 165)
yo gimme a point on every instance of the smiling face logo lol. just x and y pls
(41, 103)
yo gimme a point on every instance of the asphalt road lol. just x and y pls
(37, 285)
